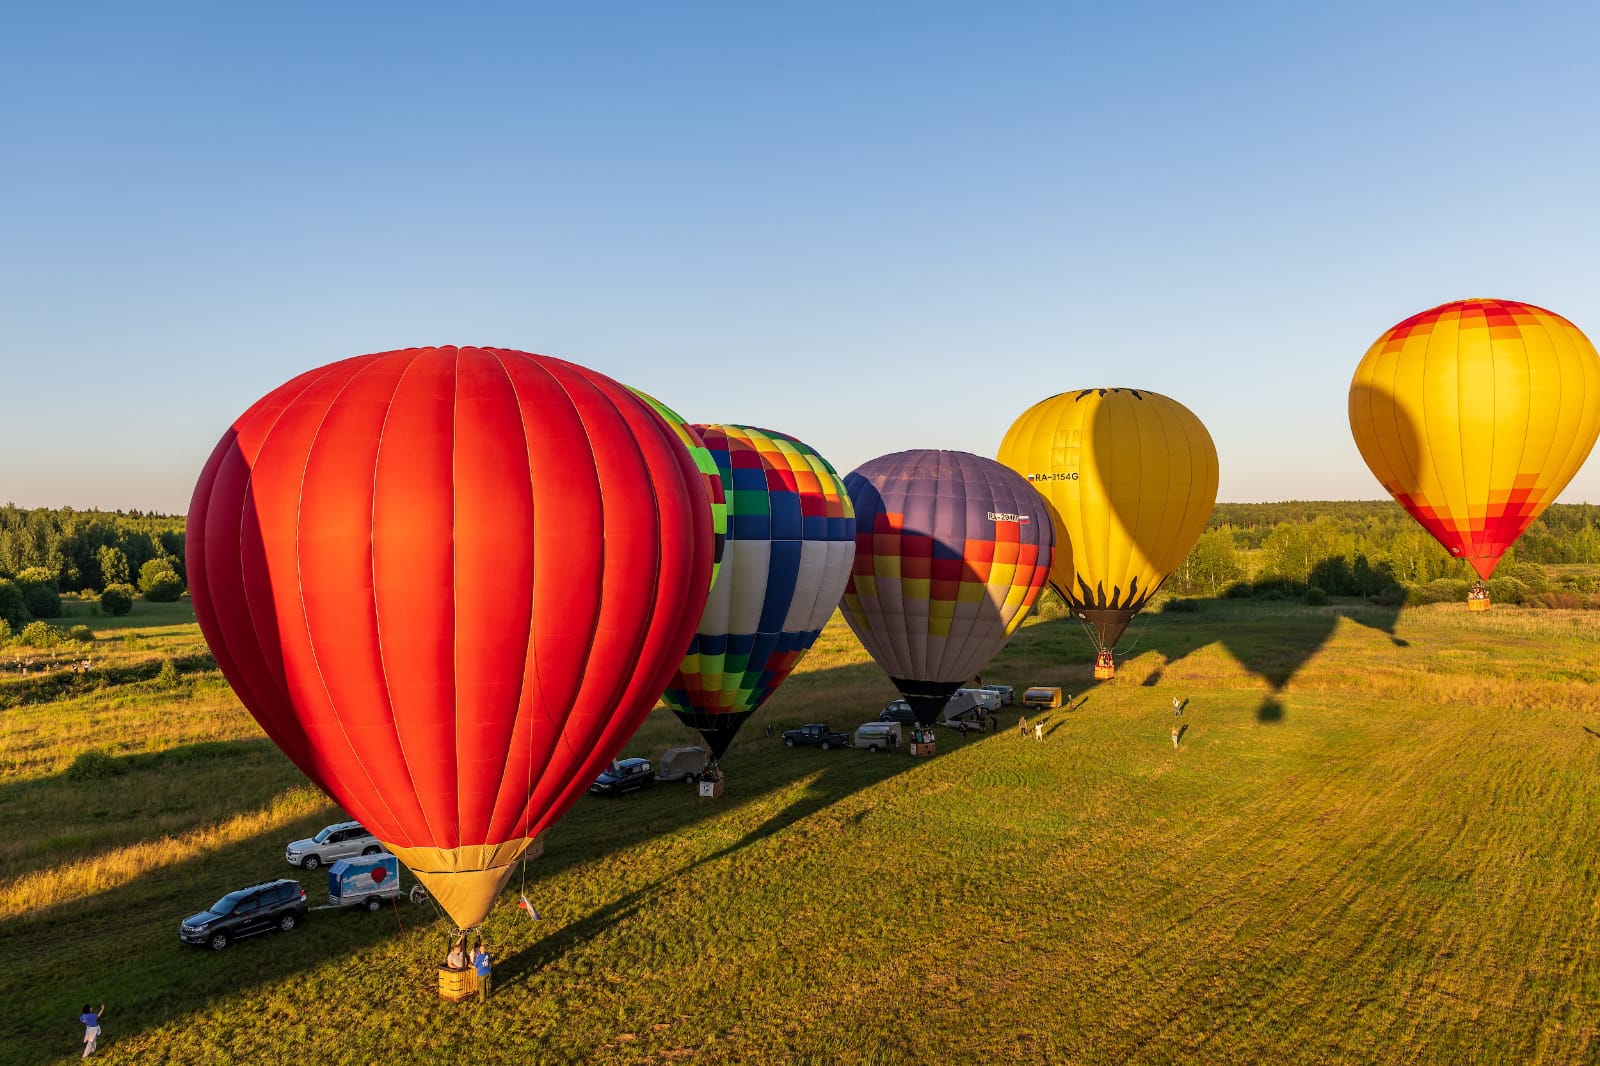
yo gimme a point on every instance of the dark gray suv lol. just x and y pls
(273, 905)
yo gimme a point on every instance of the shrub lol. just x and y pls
(164, 588)
(82, 634)
(1507, 590)
(167, 676)
(1560, 600)
(1389, 596)
(159, 581)
(1530, 575)
(117, 599)
(1242, 590)
(95, 765)
(1180, 606)
(1315, 597)
(39, 592)
(1444, 590)
(40, 635)
(12, 607)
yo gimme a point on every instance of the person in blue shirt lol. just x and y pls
(91, 1027)
(480, 964)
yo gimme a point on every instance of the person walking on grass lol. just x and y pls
(1176, 733)
(1022, 727)
(91, 1027)
(1177, 706)
(480, 965)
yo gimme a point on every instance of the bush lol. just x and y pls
(159, 581)
(1530, 575)
(1242, 590)
(167, 676)
(12, 607)
(39, 592)
(1315, 597)
(81, 634)
(40, 635)
(1507, 590)
(1180, 606)
(117, 599)
(94, 766)
(1444, 590)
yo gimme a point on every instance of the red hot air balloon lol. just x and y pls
(450, 584)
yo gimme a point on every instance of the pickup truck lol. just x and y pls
(816, 735)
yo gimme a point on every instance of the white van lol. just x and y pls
(877, 736)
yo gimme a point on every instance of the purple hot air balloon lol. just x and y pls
(952, 550)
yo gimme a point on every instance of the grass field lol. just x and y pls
(1373, 845)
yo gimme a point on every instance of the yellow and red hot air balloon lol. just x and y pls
(1130, 476)
(1474, 416)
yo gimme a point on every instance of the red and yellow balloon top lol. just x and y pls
(1474, 416)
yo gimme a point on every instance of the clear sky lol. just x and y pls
(873, 226)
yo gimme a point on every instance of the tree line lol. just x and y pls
(1373, 548)
(45, 553)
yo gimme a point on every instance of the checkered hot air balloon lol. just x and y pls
(791, 536)
(1474, 416)
(952, 550)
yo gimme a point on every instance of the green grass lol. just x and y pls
(1373, 845)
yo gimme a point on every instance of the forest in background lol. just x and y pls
(1310, 549)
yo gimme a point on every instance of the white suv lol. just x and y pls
(338, 841)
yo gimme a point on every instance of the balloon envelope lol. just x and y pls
(1130, 477)
(791, 536)
(450, 583)
(706, 464)
(952, 550)
(1474, 416)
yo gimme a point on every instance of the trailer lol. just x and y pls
(364, 881)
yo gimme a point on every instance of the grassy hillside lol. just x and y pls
(1374, 844)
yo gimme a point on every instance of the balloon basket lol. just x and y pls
(1479, 604)
(922, 749)
(711, 789)
(1104, 673)
(456, 985)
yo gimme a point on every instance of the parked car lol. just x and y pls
(338, 841)
(273, 905)
(898, 711)
(816, 735)
(1007, 694)
(624, 775)
(877, 736)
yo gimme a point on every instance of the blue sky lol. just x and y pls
(873, 226)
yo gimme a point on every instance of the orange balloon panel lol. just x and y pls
(1474, 416)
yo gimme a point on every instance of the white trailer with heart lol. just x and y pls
(366, 880)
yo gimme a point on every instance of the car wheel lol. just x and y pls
(286, 923)
(788, 742)
(826, 745)
(374, 904)
(371, 850)
(310, 862)
(218, 941)
(874, 748)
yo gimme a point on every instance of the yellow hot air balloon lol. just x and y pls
(1130, 477)
(1474, 416)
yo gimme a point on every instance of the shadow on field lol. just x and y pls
(1273, 640)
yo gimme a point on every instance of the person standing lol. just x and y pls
(480, 965)
(1176, 733)
(1038, 730)
(1022, 727)
(1177, 706)
(91, 1027)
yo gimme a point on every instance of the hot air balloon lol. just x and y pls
(791, 536)
(1474, 416)
(450, 583)
(706, 464)
(952, 550)
(1130, 477)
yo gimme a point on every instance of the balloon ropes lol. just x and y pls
(1130, 478)
(952, 551)
(450, 583)
(1474, 416)
(791, 536)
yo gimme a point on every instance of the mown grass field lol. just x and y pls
(1374, 844)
